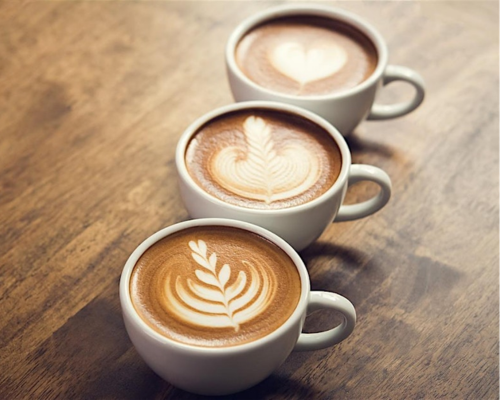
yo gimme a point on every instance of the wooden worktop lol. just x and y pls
(93, 98)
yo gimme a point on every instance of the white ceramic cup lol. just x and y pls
(346, 109)
(219, 371)
(299, 225)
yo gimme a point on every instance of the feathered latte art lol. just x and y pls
(213, 297)
(262, 172)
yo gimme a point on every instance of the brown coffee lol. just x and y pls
(306, 56)
(215, 286)
(263, 159)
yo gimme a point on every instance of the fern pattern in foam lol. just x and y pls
(260, 171)
(212, 299)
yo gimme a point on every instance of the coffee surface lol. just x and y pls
(306, 56)
(215, 286)
(263, 159)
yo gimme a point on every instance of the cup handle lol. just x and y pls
(399, 73)
(362, 172)
(320, 340)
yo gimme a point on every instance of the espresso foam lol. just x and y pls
(306, 56)
(263, 159)
(214, 286)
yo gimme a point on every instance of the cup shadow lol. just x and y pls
(275, 386)
(359, 144)
(345, 270)
(322, 249)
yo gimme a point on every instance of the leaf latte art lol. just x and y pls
(207, 299)
(214, 286)
(261, 171)
(263, 159)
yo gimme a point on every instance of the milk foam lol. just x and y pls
(263, 159)
(306, 64)
(206, 299)
(306, 56)
(260, 171)
(214, 286)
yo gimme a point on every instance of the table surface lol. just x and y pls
(94, 96)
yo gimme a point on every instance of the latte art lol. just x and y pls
(304, 65)
(214, 286)
(306, 56)
(210, 301)
(261, 172)
(263, 159)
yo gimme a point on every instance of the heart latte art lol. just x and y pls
(308, 64)
(306, 56)
(214, 286)
(263, 159)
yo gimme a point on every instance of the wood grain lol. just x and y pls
(93, 97)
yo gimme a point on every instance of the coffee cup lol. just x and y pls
(320, 58)
(274, 165)
(214, 306)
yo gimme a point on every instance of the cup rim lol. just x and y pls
(337, 186)
(128, 307)
(318, 10)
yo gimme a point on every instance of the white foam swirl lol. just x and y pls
(260, 171)
(303, 65)
(210, 301)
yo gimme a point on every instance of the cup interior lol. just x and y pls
(129, 309)
(287, 11)
(294, 111)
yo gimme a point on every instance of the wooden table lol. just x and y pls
(93, 97)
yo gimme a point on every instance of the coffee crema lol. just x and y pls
(306, 56)
(263, 159)
(215, 286)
